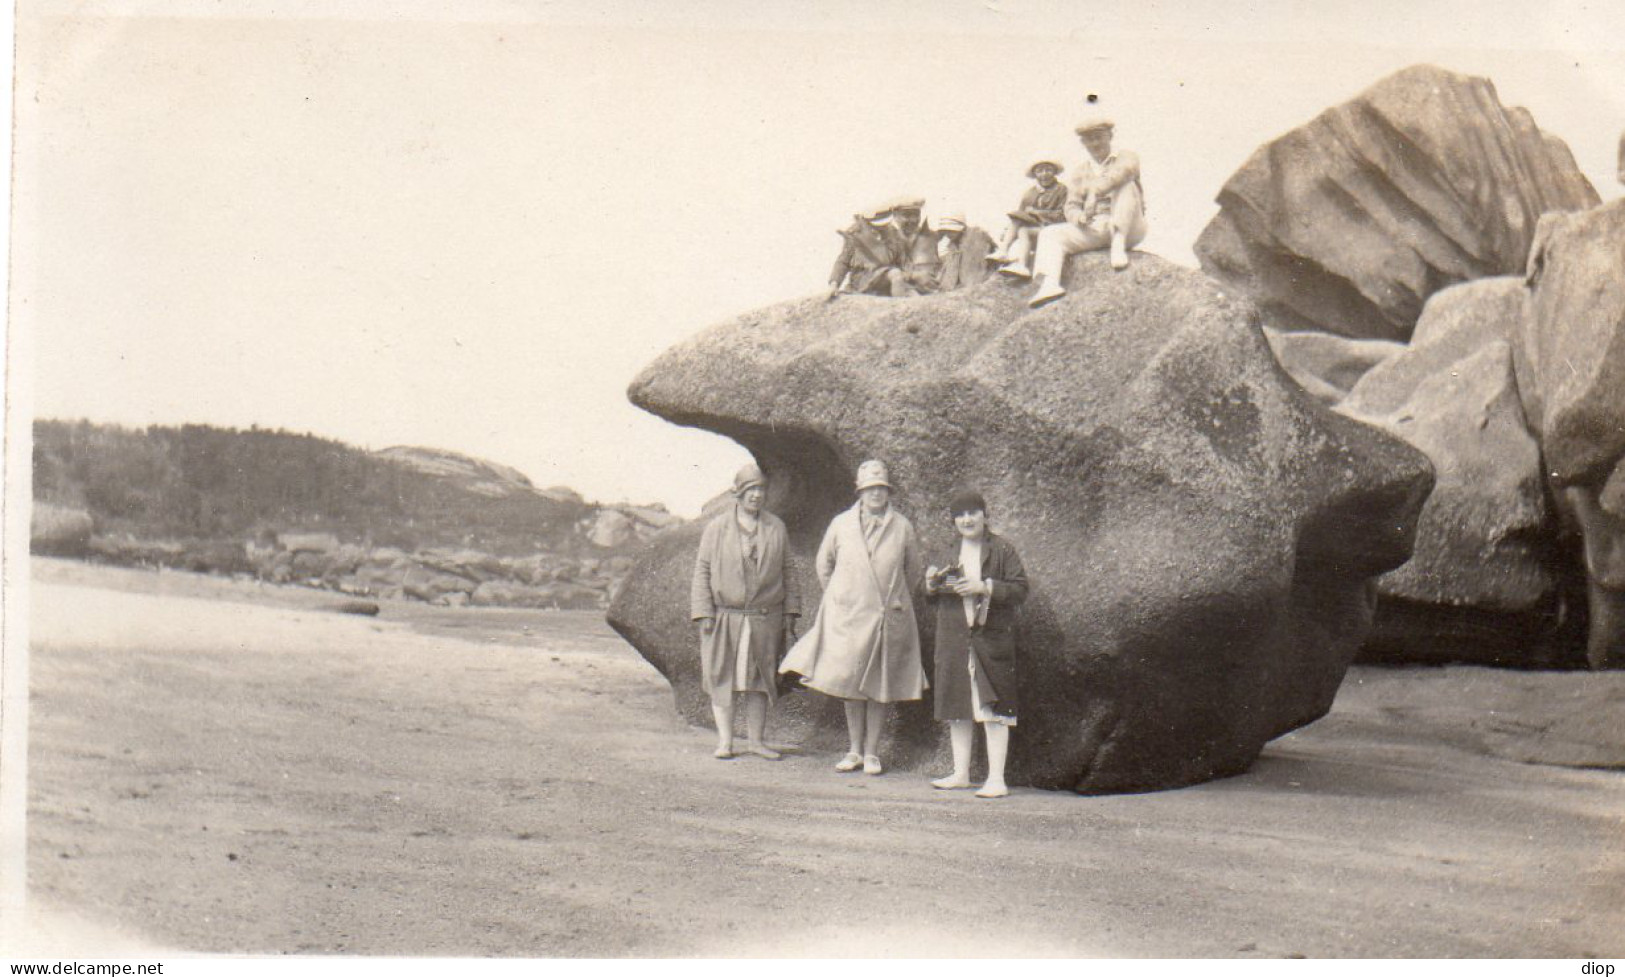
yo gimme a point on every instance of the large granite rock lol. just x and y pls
(1201, 535)
(1348, 223)
(1570, 354)
(1482, 584)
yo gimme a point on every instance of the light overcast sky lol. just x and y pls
(376, 223)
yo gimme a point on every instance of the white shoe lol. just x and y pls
(1119, 254)
(1046, 293)
(849, 763)
(872, 767)
(1015, 270)
(993, 790)
(952, 782)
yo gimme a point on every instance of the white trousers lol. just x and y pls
(1057, 242)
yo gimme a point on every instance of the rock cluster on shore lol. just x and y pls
(449, 577)
(438, 575)
(406, 522)
(1513, 384)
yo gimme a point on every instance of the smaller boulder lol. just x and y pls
(365, 608)
(310, 564)
(428, 585)
(311, 542)
(55, 530)
(1483, 545)
(612, 528)
(503, 593)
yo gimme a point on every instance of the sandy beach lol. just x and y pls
(225, 767)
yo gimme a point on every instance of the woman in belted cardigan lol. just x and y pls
(977, 584)
(863, 646)
(745, 600)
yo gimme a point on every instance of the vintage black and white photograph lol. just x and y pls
(887, 479)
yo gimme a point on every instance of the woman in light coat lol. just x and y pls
(863, 646)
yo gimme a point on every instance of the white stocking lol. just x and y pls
(962, 733)
(998, 747)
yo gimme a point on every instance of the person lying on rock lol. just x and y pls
(963, 250)
(1105, 208)
(863, 646)
(745, 600)
(976, 584)
(1042, 205)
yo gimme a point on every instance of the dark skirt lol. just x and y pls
(995, 651)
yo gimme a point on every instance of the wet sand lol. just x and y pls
(227, 767)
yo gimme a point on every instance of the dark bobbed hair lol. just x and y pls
(966, 500)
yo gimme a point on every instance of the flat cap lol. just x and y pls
(1093, 121)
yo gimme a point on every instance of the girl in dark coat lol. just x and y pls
(976, 586)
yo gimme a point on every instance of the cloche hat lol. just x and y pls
(872, 473)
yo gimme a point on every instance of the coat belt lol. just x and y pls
(753, 611)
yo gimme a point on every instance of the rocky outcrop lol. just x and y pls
(448, 576)
(602, 526)
(1570, 357)
(620, 526)
(474, 475)
(563, 493)
(1482, 584)
(1200, 534)
(1348, 223)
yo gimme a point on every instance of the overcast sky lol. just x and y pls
(375, 223)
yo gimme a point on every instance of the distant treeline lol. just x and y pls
(201, 482)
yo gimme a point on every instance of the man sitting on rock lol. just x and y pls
(1105, 208)
(865, 255)
(915, 265)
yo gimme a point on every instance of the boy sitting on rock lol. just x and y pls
(1041, 205)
